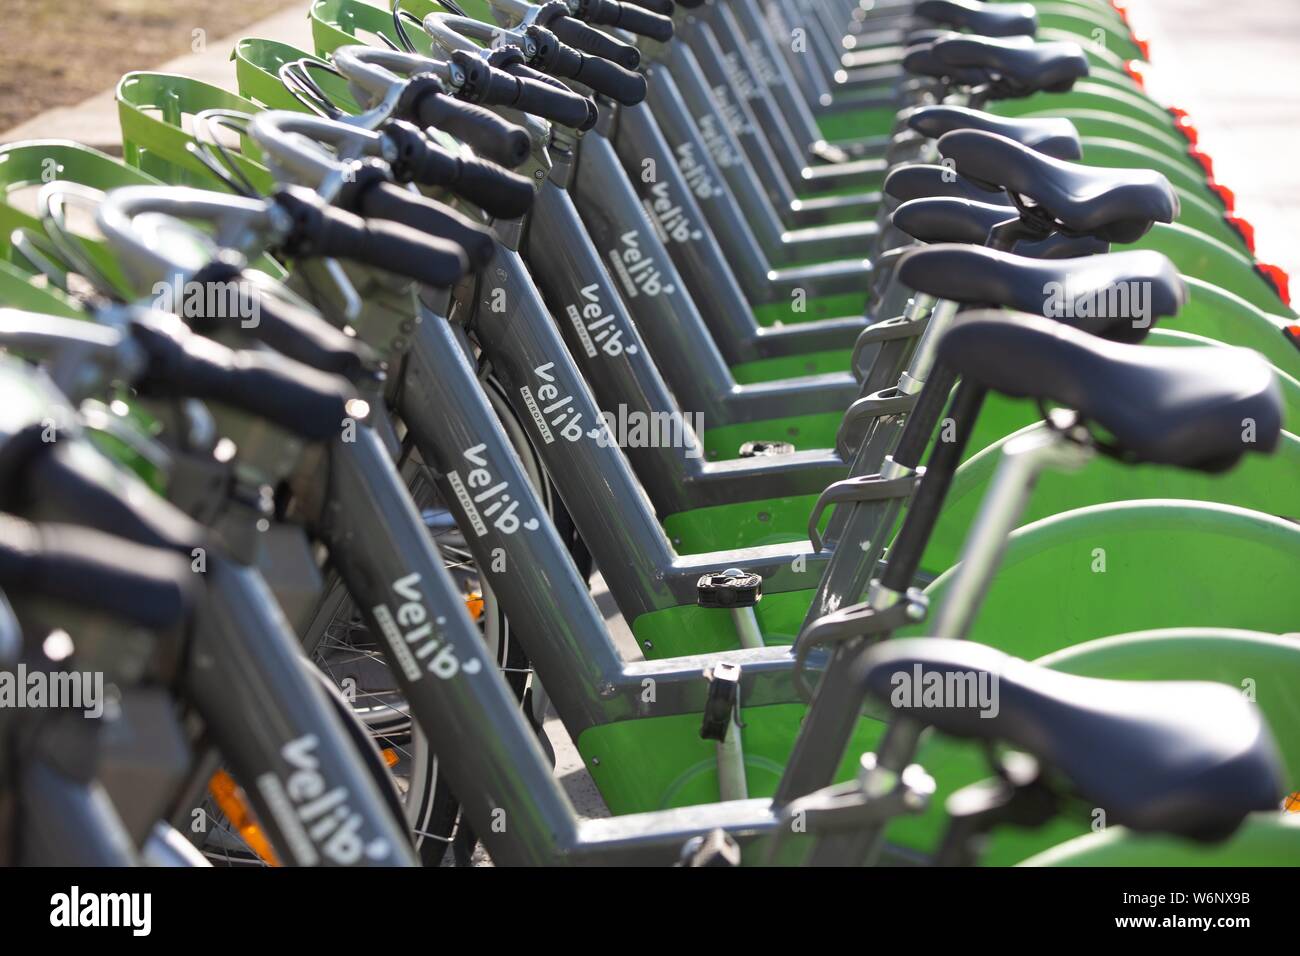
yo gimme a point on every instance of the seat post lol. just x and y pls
(1025, 457)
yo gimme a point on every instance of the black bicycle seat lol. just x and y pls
(922, 180)
(985, 19)
(920, 60)
(941, 219)
(1184, 406)
(1013, 67)
(1116, 295)
(1053, 136)
(1119, 205)
(1182, 757)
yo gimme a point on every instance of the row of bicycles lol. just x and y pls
(898, 365)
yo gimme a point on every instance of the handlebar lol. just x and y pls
(145, 585)
(322, 230)
(577, 34)
(634, 19)
(487, 85)
(557, 58)
(180, 364)
(425, 101)
(298, 333)
(374, 197)
(499, 193)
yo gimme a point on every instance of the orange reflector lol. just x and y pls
(1292, 803)
(474, 604)
(1184, 124)
(1244, 229)
(1225, 196)
(1207, 164)
(1278, 279)
(1136, 72)
(1143, 44)
(390, 756)
(231, 800)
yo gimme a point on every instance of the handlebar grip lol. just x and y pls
(496, 191)
(552, 103)
(610, 79)
(148, 586)
(662, 7)
(289, 329)
(634, 19)
(486, 133)
(488, 85)
(582, 37)
(300, 399)
(321, 230)
(429, 218)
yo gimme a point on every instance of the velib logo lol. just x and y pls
(66, 690)
(412, 636)
(637, 271)
(596, 326)
(317, 820)
(486, 497)
(669, 219)
(716, 142)
(76, 909)
(696, 174)
(919, 689)
(551, 409)
(739, 76)
(730, 111)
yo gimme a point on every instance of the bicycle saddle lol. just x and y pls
(985, 19)
(1011, 66)
(922, 180)
(1053, 136)
(1182, 757)
(1188, 406)
(942, 219)
(1118, 205)
(920, 59)
(1115, 295)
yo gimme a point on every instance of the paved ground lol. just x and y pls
(94, 120)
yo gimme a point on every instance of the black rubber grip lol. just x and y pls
(321, 230)
(428, 217)
(552, 103)
(608, 78)
(296, 332)
(496, 191)
(486, 133)
(59, 485)
(309, 403)
(484, 83)
(582, 37)
(146, 586)
(662, 7)
(634, 19)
